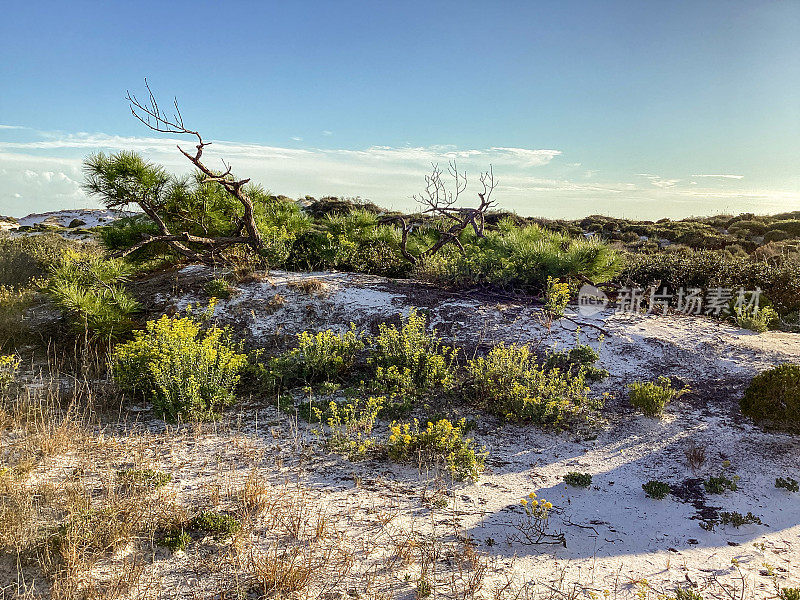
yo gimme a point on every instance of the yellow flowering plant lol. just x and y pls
(533, 527)
(186, 370)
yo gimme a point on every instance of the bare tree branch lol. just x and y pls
(150, 114)
(439, 201)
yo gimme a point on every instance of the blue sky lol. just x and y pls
(629, 108)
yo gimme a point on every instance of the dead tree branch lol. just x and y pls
(152, 116)
(440, 202)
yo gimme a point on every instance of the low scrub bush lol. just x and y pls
(789, 594)
(656, 489)
(721, 484)
(8, 370)
(755, 319)
(175, 539)
(440, 442)
(521, 258)
(91, 290)
(219, 288)
(408, 359)
(218, 525)
(14, 329)
(25, 259)
(143, 478)
(509, 383)
(651, 397)
(774, 396)
(318, 357)
(576, 479)
(556, 297)
(185, 370)
(788, 484)
(350, 425)
(580, 357)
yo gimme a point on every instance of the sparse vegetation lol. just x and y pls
(656, 489)
(720, 484)
(441, 442)
(788, 484)
(184, 370)
(510, 383)
(774, 397)
(577, 479)
(652, 396)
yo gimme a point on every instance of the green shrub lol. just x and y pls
(521, 258)
(737, 519)
(721, 484)
(576, 479)
(90, 290)
(656, 489)
(788, 484)
(509, 383)
(440, 442)
(218, 525)
(14, 329)
(708, 269)
(687, 594)
(319, 357)
(581, 357)
(144, 478)
(8, 370)
(789, 594)
(651, 397)
(128, 231)
(410, 360)
(774, 396)
(24, 259)
(350, 425)
(185, 371)
(755, 319)
(219, 288)
(175, 540)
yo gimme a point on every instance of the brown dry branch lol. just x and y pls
(150, 114)
(439, 201)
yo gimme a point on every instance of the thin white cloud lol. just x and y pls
(327, 132)
(296, 138)
(12, 127)
(721, 176)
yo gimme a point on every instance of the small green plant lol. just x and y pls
(144, 478)
(319, 357)
(350, 425)
(787, 484)
(755, 318)
(721, 484)
(8, 370)
(408, 359)
(576, 479)
(651, 397)
(218, 525)
(185, 370)
(656, 489)
(175, 539)
(509, 382)
(774, 396)
(534, 527)
(90, 290)
(737, 519)
(687, 594)
(556, 297)
(440, 442)
(219, 288)
(789, 594)
(581, 357)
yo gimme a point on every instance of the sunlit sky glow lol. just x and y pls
(636, 109)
